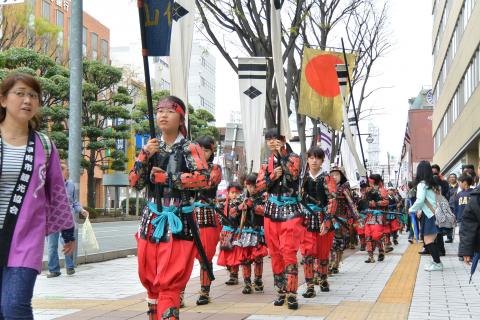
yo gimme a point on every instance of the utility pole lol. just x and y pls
(75, 106)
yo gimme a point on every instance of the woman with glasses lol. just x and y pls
(33, 199)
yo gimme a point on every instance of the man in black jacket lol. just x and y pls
(470, 228)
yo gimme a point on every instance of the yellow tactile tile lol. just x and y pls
(350, 310)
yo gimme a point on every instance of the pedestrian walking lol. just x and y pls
(318, 237)
(283, 215)
(230, 254)
(208, 223)
(425, 204)
(470, 227)
(252, 236)
(52, 239)
(375, 220)
(463, 196)
(33, 199)
(166, 248)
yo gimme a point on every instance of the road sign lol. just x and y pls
(3, 2)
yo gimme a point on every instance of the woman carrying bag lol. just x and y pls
(425, 205)
(33, 198)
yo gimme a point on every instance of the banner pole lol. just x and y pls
(353, 104)
(148, 89)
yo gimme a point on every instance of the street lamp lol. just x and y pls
(369, 137)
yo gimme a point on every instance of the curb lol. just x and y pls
(96, 257)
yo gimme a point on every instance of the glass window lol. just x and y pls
(104, 48)
(94, 45)
(46, 10)
(84, 41)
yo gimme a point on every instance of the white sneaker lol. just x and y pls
(434, 267)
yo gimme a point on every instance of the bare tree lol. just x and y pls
(322, 19)
(310, 23)
(249, 22)
(367, 35)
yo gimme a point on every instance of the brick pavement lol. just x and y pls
(111, 290)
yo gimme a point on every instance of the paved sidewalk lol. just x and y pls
(384, 290)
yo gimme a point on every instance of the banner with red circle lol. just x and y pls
(320, 96)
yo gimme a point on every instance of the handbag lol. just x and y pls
(444, 217)
(89, 241)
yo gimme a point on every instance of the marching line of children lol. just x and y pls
(281, 211)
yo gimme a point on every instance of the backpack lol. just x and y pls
(444, 217)
(47, 146)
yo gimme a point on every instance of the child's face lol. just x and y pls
(251, 188)
(274, 144)
(233, 194)
(314, 163)
(464, 185)
(207, 153)
(336, 176)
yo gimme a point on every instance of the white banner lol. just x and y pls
(252, 74)
(278, 66)
(353, 166)
(326, 145)
(183, 14)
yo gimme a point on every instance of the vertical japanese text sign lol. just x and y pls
(158, 26)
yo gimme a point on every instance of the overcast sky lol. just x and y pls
(406, 68)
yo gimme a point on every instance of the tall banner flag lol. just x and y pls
(326, 145)
(183, 14)
(276, 31)
(158, 26)
(320, 96)
(341, 70)
(252, 79)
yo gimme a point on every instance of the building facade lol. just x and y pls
(201, 82)
(48, 27)
(373, 163)
(420, 129)
(456, 79)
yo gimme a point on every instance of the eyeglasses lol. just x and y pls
(166, 111)
(22, 94)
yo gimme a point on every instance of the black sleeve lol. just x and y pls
(468, 231)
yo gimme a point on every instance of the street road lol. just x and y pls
(110, 236)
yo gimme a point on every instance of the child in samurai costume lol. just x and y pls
(317, 239)
(208, 223)
(252, 238)
(283, 215)
(343, 211)
(362, 205)
(375, 220)
(166, 250)
(230, 254)
(393, 218)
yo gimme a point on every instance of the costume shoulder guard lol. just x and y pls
(293, 167)
(215, 175)
(194, 156)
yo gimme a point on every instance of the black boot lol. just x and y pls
(310, 292)
(258, 285)
(292, 301)
(324, 286)
(381, 256)
(204, 297)
(280, 300)
(233, 279)
(247, 289)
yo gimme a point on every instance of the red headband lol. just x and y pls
(167, 104)
(235, 188)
